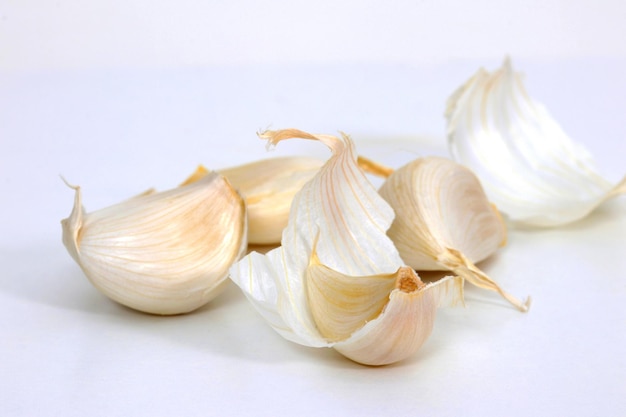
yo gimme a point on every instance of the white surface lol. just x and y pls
(66, 350)
(145, 33)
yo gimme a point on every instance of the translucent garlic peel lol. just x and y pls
(444, 220)
(527, 164)
(340, 214)
(161, 253)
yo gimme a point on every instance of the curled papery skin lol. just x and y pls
(444, 220)
(334, 282)
(527, 164)
(161, 253)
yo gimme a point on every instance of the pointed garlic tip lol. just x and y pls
(444, 220)
(161, 253)
(529, 167)
(337, 280)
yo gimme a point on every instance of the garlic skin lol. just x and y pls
(268, 187)
(444, 220)
(527, 164)
(337, 279)
(161, 253)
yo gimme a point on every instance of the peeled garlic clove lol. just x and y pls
(161, 253)
(333, 280)
(268, 187)
(528, 166)
(444, 220)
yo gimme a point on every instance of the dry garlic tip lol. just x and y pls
(443, 219)
(337, 280)
(530, 168)
(268, 187)
(161, 253)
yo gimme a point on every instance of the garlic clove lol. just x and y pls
(335, 236)
(341, 304)
(268, 187)
(377, 319)
(161, 253)
(529, 167)
(406, 321)
(444, 220)
(440, 204)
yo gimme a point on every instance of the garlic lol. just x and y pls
(528, 166)
(268, 187)
(337, 280)
(161, 253)
(443, 219)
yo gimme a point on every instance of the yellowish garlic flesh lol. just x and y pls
(161, 253)
(268, 187)
(337, 280)
(398, 310)
(444, 220)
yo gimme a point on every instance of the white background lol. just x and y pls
(148, 34)
(122, 96)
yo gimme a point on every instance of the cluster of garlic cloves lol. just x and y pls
(162, 253)
(529, 167)
(337, 280)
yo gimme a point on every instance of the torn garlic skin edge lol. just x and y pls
(161, 253)
(444, 220)
(337, 280)
(529, 167)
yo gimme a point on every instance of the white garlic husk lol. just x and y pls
(529, 167)
(337, 280)
(162, 253)
(268, 187)
(444, 220)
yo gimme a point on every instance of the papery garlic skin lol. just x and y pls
(444, 220)
(527, 164)
(336, 236)
(161, 253)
